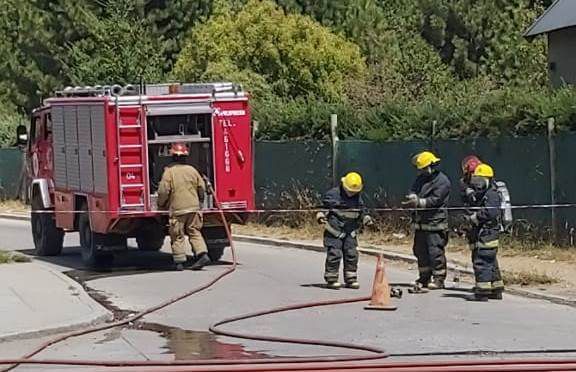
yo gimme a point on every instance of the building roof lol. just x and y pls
(561, 14)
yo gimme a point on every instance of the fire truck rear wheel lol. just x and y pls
(90, 241)
(151, 237)
(48, 239)
(216, 252)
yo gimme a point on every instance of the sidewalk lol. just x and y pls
(37, 300)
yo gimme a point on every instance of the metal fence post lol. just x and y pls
(334, 136)
(552, 164)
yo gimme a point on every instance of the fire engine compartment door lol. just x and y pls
(233, 155)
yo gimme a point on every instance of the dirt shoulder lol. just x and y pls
(541, 268)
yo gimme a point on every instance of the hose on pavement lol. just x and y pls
(373, 353)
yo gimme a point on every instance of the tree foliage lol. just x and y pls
(389, 68)
(290, 54)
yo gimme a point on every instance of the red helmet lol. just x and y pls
(470, 163)
(179, 149)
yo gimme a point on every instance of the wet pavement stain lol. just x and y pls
(190, 345)
(183, 344)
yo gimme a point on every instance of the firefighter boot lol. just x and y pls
(333, 285)
(202, 261)
(178, 266)
(436, 284)
(496, 294)
(353, 284)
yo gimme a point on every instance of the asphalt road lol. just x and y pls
(272, 276)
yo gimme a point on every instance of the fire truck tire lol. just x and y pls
(90, 241)
(48, 239)
(216, 252)
(151, 238)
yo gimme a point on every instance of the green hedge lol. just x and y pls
(500, 112)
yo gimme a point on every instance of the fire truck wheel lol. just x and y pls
(150, 238)
(48, 239)
(90, 241)
(216, 252)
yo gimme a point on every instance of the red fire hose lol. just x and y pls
(332, 363)
(375, 353)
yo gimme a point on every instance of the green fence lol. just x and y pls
(523, 163)
(10, 169)
(291, 174)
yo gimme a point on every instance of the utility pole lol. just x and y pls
(334, 136)
(552, 164)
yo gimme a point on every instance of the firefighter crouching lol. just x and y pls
(484, 232)
(429, 193)
(182, 191)
(346, 216)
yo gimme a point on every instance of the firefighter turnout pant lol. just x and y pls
(184, 225)
(337, 249)
(429, 248)
(486, 270)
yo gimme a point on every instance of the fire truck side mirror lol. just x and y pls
(21, 135)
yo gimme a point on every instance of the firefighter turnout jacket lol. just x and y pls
(181, 189)
(433, 191)
(346, 214)
(485, 219)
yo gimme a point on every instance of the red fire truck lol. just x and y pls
(95, 156)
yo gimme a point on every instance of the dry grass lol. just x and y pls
(13, 206)
(528, 278)
(11, 257)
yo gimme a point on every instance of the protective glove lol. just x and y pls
(368, 221)
(321, 218)
(412, 201)
(470, 194)
(471, 219)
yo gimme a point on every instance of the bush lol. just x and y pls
(9, 120)
(466, 112)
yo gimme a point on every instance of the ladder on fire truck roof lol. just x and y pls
(150, 89)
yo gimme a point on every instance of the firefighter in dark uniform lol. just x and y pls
(182, 191)
(484, 221)
(469, 164)
(429, 194)
(346, 215)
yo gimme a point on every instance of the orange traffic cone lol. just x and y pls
(380, 289)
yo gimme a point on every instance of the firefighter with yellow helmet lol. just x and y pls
(484, 219)
(429, 197)
(182, 191)
(345, 217)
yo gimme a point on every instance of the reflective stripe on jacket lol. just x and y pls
(434, 189)
(486, 213)
(345, 213)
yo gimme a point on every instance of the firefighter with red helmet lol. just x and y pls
(469, 165)
(182, 191)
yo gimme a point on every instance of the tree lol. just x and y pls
(288, 55)
(117, 49)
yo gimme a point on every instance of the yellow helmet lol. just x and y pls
(484, 170)
(352, 182)
(424, 159)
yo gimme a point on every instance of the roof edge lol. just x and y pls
(528, 33)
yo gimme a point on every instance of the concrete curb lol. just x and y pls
(98, 313)
(15, 216)
(394, 256)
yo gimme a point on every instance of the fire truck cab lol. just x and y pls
(95, 156)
